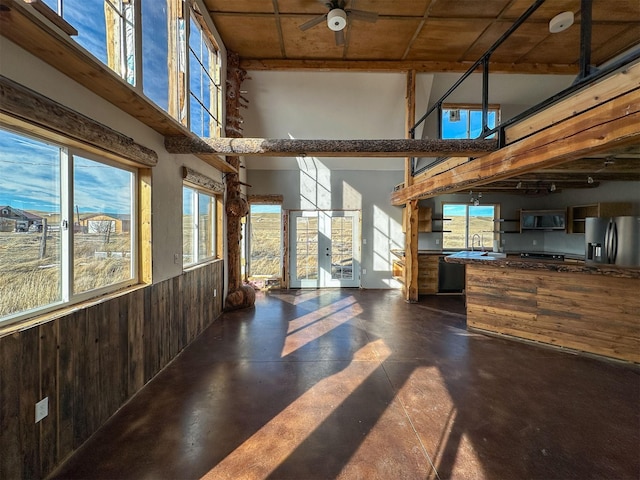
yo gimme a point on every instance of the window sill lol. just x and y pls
(40, 319)
(195, 266)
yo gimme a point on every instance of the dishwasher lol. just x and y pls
(450, 277)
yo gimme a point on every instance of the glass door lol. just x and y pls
(325, 249)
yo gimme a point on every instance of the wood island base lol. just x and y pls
(592, 313)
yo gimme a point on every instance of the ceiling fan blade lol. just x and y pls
(370, 17)
(340, 38)
(313, 22)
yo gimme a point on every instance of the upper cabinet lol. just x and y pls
(576, 215)
(542, 220)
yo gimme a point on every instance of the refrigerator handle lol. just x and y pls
(614, 242)
(607, 241)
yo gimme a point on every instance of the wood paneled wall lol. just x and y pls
(592, 313)
(89, 363)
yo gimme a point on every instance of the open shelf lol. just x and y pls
(502, 221)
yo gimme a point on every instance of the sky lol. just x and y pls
(265, 208)
(31, 179)
(459, 210)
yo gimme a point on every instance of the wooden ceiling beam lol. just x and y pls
(29, 111)
(613, 124)
(250, 64)
(327, 148)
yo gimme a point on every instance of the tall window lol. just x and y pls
(67, 226)
(107, 29)
(163, 48)
(265, 247)
(199, 218)
(205, 97)
(467, 225)
(155, 44)
(465, 121)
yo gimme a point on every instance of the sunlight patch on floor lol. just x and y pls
(297, 297)
(313, 325)
(270, 446)
(427, 400)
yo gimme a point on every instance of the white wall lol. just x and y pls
(31, 72)
(314, 186)
(324, 105)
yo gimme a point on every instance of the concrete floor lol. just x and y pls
(358, 384)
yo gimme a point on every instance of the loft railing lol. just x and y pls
(587, 75)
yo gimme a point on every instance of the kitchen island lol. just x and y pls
(583, 307)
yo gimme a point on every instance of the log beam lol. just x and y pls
(395, 66)
(611, 125)
(32, 112)
(199, 180)
(328, 148)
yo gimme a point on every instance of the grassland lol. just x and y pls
(483, 226)
(265, 244)
(28, 281)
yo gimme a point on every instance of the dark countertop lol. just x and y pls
(549, 265)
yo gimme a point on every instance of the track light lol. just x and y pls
(519, 185)
(552, 188)
(589, 180)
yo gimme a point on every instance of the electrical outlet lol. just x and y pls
(215, 292)
(535, 242)
(42, 409)
(437, 241)
(364, 271)
(504, 241)
(364, 241)
(176, 258)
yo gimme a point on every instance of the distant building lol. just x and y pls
(21, 220)
(103, 222)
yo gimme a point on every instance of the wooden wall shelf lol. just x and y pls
(576, 215)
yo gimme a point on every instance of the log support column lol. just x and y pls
(239, 296)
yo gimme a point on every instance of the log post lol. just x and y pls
(238, 296)
(411, 253)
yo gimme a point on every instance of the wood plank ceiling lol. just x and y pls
(420, 34)
(439, 36)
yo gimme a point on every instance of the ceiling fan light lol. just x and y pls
(561, 22)
(337, 19)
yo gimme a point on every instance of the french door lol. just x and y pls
(324, 249)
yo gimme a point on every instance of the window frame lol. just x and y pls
(68, 298)
(469, 107)
(249, 234)
(216, 225)
(214, 73)
(495, 235)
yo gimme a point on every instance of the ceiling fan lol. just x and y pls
(337, 18)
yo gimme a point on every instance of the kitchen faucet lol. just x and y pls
(473, 240)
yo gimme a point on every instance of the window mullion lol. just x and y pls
(466, 227)
(66, 223)
(196, 226)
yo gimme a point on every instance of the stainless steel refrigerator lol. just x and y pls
(614, 240)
